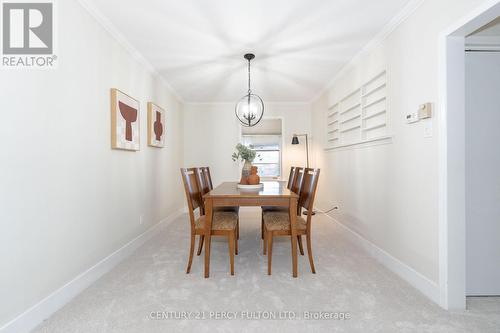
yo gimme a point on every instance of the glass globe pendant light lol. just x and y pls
(250, 108)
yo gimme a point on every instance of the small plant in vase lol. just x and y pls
(247, 155)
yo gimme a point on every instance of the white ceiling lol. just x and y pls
(198, 45)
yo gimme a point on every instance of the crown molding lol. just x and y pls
(120, 38)
(479, 43)
(386, 31)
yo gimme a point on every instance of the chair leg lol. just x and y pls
(231, 237)
(269, 236)
(191, 252)
(200, 244)
(238, 229)
(236, 244)
(265, 241)
(309, 253)
(262, 225)
(301, 249)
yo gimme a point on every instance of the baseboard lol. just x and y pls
(32, 317)
(427, 287)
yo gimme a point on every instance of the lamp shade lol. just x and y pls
(295, 140)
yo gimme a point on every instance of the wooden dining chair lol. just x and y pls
(294, 184)
(277, 223)
(205, 171)
(223, 222)
(291, 177)
(205, 184)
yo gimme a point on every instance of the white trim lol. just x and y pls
(363, 144)
(442, 169)
(118, 36)
(33, 316)
(420, 282)
(450, 262)
(386, 31)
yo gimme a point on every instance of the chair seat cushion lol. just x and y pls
(221, 221)
(275, 221)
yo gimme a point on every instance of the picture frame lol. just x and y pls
(156, 125)
(125, 121)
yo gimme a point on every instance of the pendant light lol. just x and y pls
(250, 108)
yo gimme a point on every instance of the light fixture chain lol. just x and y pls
(249, 90)
(250, 108)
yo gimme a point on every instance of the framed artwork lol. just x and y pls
(156, 126)
(124, 121)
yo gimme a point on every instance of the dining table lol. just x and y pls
(272, 193)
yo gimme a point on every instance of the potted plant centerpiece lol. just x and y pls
(247, 155)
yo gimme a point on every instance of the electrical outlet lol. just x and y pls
(140, 219)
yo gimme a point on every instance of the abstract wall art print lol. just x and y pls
(156, 126)
(125, 116)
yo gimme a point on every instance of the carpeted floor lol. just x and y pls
(150, 292)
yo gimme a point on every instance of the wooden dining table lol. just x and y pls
(274, 193)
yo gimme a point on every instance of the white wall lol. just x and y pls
(482, 77)
(211, 131)
(389, 193)
(66, 199)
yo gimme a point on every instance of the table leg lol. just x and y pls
(208, 229)
(293, 226)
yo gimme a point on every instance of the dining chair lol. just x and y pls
(291, 177)
(205, 183)
(223, 222)
(277, 223)
(205, 171)
(294, 183)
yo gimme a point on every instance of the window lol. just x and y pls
(268, 148)
(265, 139)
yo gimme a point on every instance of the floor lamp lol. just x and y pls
(295, 141)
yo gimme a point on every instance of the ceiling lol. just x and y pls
(198, 45)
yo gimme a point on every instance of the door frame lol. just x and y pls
(451, 124)
(282, 143)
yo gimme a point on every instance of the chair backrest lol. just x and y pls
(297, 181)
(207, 178)
(193, 194)
(308, 189)
(203, 178)
(204, 183)
(291, 177)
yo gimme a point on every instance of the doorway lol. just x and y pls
(482, 161)
(468, 221)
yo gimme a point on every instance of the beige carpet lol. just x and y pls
(150, 292)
